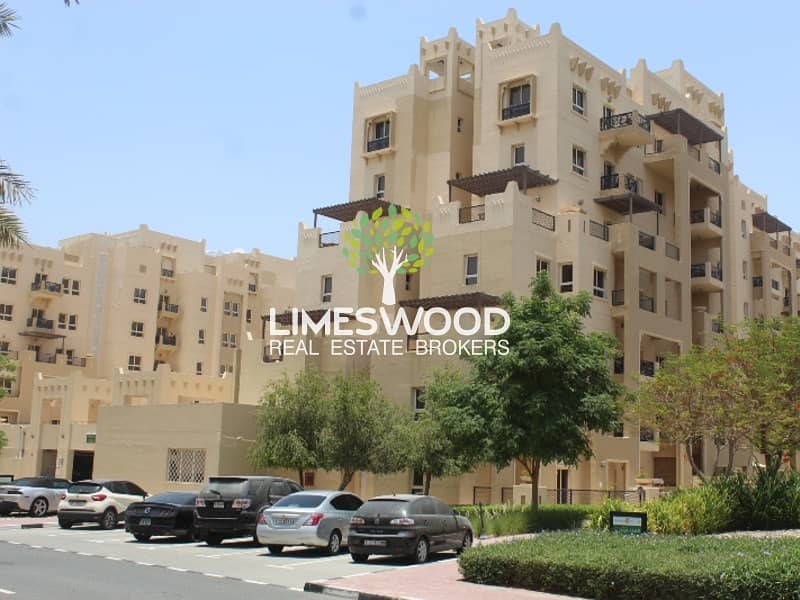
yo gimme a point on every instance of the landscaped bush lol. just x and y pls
(706, 509)
(608, 565)
(769, 501)
(510, 519)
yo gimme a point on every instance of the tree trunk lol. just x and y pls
(731, 455)
(388, 298)
(695, 468)
(427, 488)
(533, 466)
(300, 476)
(347, 477)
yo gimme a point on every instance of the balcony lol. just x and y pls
(645, 434)
(378, 144)
(647, 241)
(515, 111)
(166, 342)
(76, 361)
(647, 303)
(598, 230)
(706, 277)
(471, 214)
(705, 223)
(42, 324)
(647, 368)
(252, 288)
(49, 359)
(625, 130)
(12, 354)
(543, 219)
(716, 326)
(329, 239)
(45, 290)
(168, 311)
(167, 273)
(617, 297)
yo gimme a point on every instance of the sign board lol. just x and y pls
(629, 522)
(91, 438)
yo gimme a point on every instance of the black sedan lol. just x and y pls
(407, 525)
(170, 513)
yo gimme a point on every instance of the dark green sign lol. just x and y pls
(628, 522)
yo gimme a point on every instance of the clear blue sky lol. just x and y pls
(231, 120)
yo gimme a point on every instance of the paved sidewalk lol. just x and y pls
(23, 522)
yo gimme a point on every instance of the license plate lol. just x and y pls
(374, 542)
(219, 505)
(144, 521)
(77, 502)
(283, 521)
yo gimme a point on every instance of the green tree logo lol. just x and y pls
(397, 242)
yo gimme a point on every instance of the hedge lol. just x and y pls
(510, 519)
(607, 565)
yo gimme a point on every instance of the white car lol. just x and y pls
(36, 496)
(101, 501)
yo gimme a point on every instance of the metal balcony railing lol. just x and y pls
(76, 361)
(623, 120)
(715, 218)
(166, 340)
(470, 214)
(714, 165)
(617, 297)
(46, 286)
(609, 182)
(776, 285)
(13, 354)
(716, 326)
(647, 303)
(698, 270)
(647, 368)
(39, 323)
(598, 230)
(645, 434)
(543, 219)
(647, 241)
(377, 144)
(170, 308)
(631, 183)
(516, 110)
(672, 251)
(697, 216)
(169, 273)
(716, 272)
(329, 238)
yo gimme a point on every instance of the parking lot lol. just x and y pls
(239, 560)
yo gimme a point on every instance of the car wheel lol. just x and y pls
(39, 508)
(109, 519)
(274, 548)
(420, 551)
(65, 524)
(142, 537)
(214, 539)
(334, 542)
(359, 558)
(465, 543)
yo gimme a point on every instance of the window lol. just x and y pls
(659, 197)
(248, 316)
(519, 95)
(381, 130)
(233, 340)
(578, 100)
(459, 124)
(566, 277)
(203, 304)
(471, 269)
(201, 336)
(8, 275)
(142, 268)
(73, 322)
(7, 386)
(226, 308)
(380, 185)
(308, 479)
(139, 296)
(62, 321)
(76, 287)
(599, 289)
(418, 397)
(137, 329)
(608, 111)
(5, 312)
(186, 465)
(744, 229)
(224, 340)
(408, 281)
(542, 265)
(518, 154)
(134, 362)
(578, 160)
(235, 309)
(198, 368)
(65, 285)
(327, 288)
(744, 268)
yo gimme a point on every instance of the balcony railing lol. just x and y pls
(46, 358)
(698, 270)
(645, 434)
(76, 361)
(623, 120)
(647, 241)
(672, 251)
(716, 272)
(758, 282)
(609, 182)
(543, 219)
(598, 230)
(46, 286)
(715, 218)
(714, 165)
(170, 308)
(470, 214)
(716, 326)
(39, 323)
(13, 354)
(516, 110)
(617, 297)
(252, 287)
(647, 303)
(697, 216)
(657, 147)
(166, 340)
(377, 144)
(631, 184)
(647, 368)
(776, 285)
(168, 273)
(619, 365)
(329, 238)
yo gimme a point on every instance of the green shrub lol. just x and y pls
(706, 509)
(606, 565)
(769, 501)
(510, 519)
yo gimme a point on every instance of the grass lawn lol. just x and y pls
(608, 565)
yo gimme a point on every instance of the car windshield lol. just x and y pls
(225, 486)
(84, 487)
(384, 507)
(179, 498)
(28, 482)
(300, 501)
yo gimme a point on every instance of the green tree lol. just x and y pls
(364, 430)
(543, 399)
(448, 438)
(394, 243)
(7, 369)
(291, 419)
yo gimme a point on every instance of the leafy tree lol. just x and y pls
(364, 430)
(448, 437)
(7, 369)
(3, 440)
(395, 243)
(542, 400)
(291, 419)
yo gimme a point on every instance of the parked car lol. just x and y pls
(407, 525)
(310, 518)
(170, 513)
(227, 507)
(101, 501)
(36, 496)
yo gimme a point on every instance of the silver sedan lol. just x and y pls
(318, 518)
(36, 496)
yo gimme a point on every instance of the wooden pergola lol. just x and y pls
(347, 211)
(495, 182)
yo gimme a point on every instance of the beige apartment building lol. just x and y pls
(526, 153)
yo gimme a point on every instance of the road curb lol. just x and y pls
(329, 590)
(28, 526)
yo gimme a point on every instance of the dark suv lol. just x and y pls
(228, 507)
